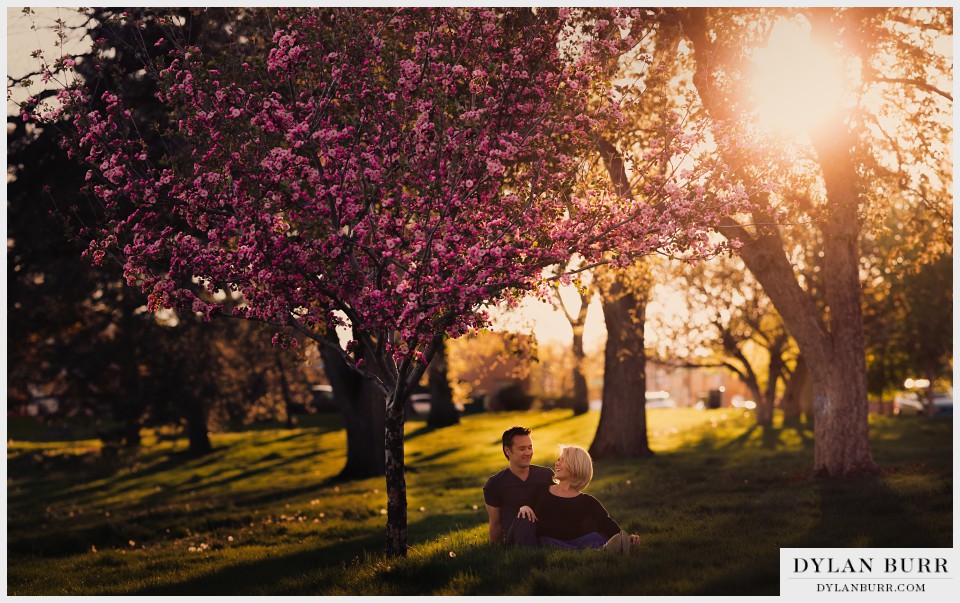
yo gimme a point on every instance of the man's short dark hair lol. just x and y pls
(509, 434)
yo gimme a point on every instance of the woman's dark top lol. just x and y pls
(569, 518)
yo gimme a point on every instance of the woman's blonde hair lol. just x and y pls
(579, 464)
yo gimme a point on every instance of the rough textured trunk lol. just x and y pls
(835, 359)
(581, 400)
(396, 480)
(841, 427)
(443, 412)
(622, 431)
(362, 407)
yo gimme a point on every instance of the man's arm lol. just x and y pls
(496, 529)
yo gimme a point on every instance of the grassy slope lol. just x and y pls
(264, 513)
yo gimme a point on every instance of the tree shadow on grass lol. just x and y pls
(420, 431)
(313, 570)
(105, 475)
(422, 460)
(266, 465)
(771, 437)
(862, 512)
(869, 513)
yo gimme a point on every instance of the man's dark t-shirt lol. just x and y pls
(508, 492)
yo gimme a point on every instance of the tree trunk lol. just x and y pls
(396, 480)
(581, 398)
(764, 413)
(622, 431)
(757, 394)
(198, 434)
(792, 402)
(766, 407)
(362, 407)
(284, 387)
(132, 397)
(841, 408)
(443, 413)
(131, 429)
(581, 401)
(835, 360)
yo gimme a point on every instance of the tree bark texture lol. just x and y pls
(362, 407)
(443, 412)
(841, 428)
(622, 431)
(396, 545)
(836, 358)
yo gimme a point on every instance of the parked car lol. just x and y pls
(323, 399)
(907, 403)
(420, 403)
(943, 405)
(659, 400)
(912, 403)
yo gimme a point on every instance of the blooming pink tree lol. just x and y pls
(389, 170)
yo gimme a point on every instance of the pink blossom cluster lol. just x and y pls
(400, 168)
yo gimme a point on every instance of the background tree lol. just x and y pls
(631, 159)
(853, 159)
(443, 412)
(86, 334)
(581, 397)
(908, 322)
(622, 429)
(723, 319)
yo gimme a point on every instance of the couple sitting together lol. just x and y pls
(530, 505)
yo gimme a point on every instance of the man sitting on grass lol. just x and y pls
(512, 488)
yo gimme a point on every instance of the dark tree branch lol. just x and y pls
(910, 82)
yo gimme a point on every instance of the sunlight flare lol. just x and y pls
(796, 84)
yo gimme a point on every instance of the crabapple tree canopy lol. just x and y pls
(397, 168)
(390, 169)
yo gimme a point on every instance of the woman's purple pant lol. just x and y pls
(524, 533)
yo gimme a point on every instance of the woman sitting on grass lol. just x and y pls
(562, 516)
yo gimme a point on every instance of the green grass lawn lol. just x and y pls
(264, 514)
